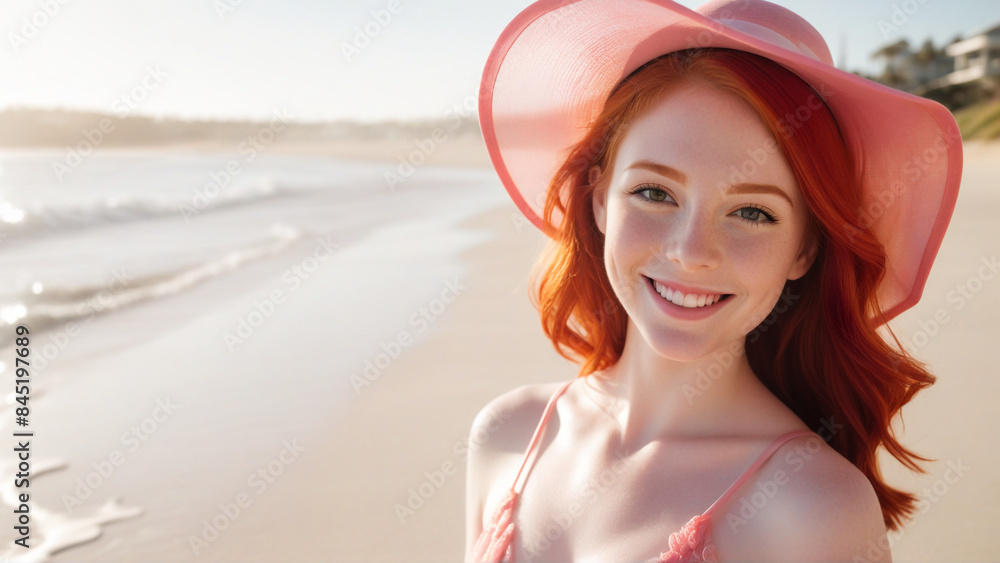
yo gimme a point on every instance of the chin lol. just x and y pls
(680, 347)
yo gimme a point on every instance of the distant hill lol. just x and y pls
(980, 121)
(28, 127)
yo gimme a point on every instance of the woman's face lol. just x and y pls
(700, 198)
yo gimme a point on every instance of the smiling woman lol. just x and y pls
(707, 224)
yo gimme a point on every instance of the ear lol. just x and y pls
(805, 259)
(599, 199)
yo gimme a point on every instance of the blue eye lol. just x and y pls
(751, 213)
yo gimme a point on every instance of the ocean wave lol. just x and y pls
(53, 305)
(57, 217)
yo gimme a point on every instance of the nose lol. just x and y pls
(693, 243)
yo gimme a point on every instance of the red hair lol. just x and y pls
(822, 356)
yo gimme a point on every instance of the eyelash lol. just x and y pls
(772, 219)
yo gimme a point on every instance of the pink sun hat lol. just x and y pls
(555, 64)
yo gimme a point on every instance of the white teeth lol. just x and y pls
(678, 298)
(681, 300)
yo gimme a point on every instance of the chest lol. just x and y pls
(585, 501)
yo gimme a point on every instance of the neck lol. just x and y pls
(650, 397)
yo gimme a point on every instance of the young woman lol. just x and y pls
(732, 220)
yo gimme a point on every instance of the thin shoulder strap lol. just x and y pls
(538, 429)
(756, 465)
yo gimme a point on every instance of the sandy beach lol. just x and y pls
(251, 486)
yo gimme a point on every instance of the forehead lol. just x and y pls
(707, 134)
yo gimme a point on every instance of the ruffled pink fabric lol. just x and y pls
(495, 543)
(690, 543)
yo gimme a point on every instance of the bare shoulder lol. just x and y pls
(809, 503)
(506, 423)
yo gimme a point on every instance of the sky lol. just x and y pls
(251, 59)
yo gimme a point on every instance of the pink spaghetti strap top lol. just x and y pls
(689, 544)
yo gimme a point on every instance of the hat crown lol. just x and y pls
(769, 22)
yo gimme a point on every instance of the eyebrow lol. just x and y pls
(680, 177)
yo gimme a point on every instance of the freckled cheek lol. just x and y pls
(632, 239)
(760, 262)
(630, 245)
(629, 223)
(749, 251)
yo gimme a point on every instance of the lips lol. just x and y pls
(686, 297)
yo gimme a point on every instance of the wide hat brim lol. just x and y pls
(554, 65)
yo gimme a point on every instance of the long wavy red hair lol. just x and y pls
(822, 356)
